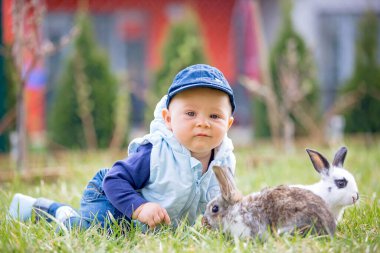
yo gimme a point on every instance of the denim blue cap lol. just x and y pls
(200, 75)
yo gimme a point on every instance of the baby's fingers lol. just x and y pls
(152, 224)
(166, 217)
(157, 219)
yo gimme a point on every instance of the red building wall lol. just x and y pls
(214, 16)
(7, 21)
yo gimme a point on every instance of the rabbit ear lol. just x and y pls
(230, 193)
(340, 156)
(320, 163)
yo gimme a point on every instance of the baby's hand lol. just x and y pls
(152, 214)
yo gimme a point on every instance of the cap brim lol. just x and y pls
(203, 85)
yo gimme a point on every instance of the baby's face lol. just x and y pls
(199, 118)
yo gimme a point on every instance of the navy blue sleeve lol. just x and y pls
(126, 177)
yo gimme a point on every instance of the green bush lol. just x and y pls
(183, 47)
(9, 92)
(89, 66)
(260, 115)
(290, 55)
(365, 81)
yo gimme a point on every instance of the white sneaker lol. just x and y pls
(21, 207)
(65, 212)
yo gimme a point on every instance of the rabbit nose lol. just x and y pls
(355, 198)
(205, 222)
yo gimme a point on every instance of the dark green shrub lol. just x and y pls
(88, 67)
(365, 80)
(8, 92)
(294, 80)
(183, 47)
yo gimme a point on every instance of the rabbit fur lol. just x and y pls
(273, 210)
(337, 186)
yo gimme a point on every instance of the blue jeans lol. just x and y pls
(94, 206)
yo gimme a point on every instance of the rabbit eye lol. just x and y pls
(341, 183)
(215, 209)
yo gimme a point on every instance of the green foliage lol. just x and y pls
(261, 118)
(183, 47)
(89, 64)
(364, 115)
(10, 88)
(290, 57)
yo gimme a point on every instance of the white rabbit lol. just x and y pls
(337, 186)
(276, 210)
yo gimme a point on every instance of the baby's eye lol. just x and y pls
(191, 114)
(214, 116)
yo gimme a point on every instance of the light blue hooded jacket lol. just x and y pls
(176, 181)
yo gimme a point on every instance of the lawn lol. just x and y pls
(257, 167)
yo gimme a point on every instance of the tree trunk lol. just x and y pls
(121, 120)
(83, 97)
(270, 100)
(21, 142)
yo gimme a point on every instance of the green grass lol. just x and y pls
(258, 166)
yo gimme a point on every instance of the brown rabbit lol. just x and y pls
(279, 210)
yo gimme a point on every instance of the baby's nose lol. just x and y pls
(203, 122)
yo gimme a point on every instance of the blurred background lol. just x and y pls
(86, 74)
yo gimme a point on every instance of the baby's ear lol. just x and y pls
(167, 118)
(230, 121)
